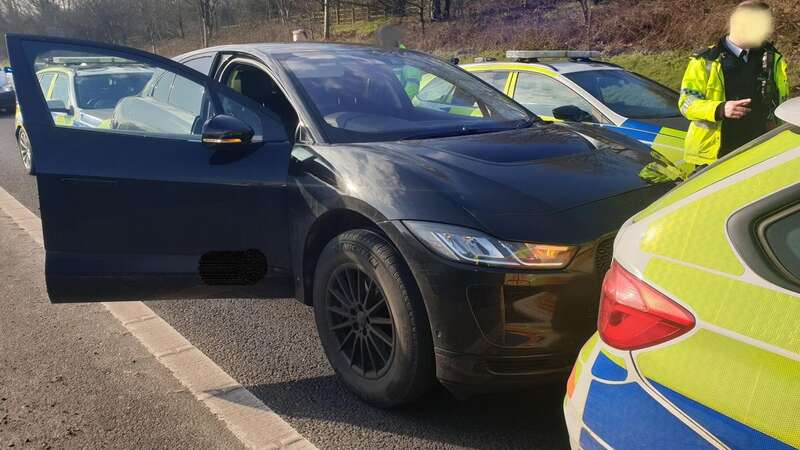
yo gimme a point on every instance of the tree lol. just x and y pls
(439, 13)
(586, 8)
(206, 10)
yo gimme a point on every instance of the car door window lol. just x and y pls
(187, 95)
(116, 94)
(782, 237)
(496, 78)
(246, 78)
(542, 94)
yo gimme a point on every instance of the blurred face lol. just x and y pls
(750, 28)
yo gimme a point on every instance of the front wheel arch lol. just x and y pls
(323, 230)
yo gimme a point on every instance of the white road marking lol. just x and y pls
(247, 417)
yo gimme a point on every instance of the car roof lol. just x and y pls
(278, 47)
(559, 66)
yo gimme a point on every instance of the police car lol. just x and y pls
(8, 98)
(82, 91)
(699, 329)
(574, 86)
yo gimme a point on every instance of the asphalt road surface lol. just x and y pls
(272, 348)
(74, 377)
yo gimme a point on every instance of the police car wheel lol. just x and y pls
(25, 151)
(371, 320)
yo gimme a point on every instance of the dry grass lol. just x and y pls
(663, 29)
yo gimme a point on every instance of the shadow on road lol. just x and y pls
(529, 419)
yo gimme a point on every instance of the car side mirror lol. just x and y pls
(571, 113)
(58, 106)
(7, 69)
(223, 132)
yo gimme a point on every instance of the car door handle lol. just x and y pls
(87, 181)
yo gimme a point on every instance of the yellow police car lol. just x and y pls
(82, 92)
(574, 86)
(698, 342)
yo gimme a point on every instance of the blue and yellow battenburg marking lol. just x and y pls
(667, 141)
(623, 412)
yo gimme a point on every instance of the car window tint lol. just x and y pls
(163, 86)
(201, 64)
(495, 78)
(542, 94)
(44, 82)
(187, 95)
(61, 89)
(783, 238)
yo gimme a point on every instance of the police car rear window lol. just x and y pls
(783, 238)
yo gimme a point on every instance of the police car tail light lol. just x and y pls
(633, 315)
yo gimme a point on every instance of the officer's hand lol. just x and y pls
(736, 109)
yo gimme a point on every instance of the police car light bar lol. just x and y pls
(86, 60)
(533, 55)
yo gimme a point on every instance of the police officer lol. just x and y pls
(390, 37)
(731, 89)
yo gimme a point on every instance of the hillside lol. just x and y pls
(652, 37)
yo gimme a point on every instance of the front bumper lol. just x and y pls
(496, 329)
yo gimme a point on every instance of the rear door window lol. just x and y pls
(187, 95)
(201, 64)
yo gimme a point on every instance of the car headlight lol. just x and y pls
(472, 246)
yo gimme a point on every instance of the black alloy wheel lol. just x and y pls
(361, 320)
(372, 321)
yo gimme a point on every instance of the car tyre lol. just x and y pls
(372, 321)
(25, 151)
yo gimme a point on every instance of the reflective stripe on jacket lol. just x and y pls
(702, 91)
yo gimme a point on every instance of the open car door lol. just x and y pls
(176, 187)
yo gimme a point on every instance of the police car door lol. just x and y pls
(177, 190)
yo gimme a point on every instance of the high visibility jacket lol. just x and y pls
(702, 91)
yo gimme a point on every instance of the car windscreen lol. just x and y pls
(102, 91)
(367, 95)
(628, 94)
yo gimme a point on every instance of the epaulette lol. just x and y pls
(770, 47)
(709, 53)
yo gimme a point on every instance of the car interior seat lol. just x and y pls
(258, 86)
